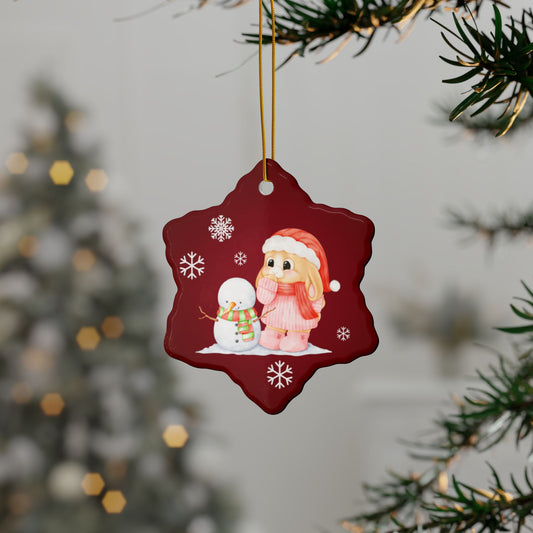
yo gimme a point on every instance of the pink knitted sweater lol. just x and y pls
(286, 314)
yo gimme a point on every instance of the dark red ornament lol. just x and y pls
(268, 287)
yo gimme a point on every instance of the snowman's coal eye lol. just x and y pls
(287, 265)
(270, 262)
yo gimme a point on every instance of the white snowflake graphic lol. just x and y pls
(221, 228)
(240, 258)
(343, 333)
(281, 375)
(194, 265)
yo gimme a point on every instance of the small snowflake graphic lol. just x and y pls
(194, 265)
(221, 228)
(240, 258)
(343, 333)
(281, 375)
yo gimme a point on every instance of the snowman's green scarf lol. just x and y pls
(244, 319)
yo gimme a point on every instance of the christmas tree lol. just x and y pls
(94, 433)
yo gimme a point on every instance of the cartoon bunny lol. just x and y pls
(291, 285)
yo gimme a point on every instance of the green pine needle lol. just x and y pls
(501, 403)
(510, 225)
(504, 61)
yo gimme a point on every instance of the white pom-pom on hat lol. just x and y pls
(334, 285)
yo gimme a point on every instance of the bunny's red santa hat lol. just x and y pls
(303, 244)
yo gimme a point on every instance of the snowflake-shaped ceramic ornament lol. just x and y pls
(268, 287)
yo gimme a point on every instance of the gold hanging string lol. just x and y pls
(272, 138)
(263, 138)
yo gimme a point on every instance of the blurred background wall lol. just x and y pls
(360, 134)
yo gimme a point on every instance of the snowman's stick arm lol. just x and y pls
(205, 315)
(264, 314)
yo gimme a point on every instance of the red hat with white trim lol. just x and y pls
(303, 244)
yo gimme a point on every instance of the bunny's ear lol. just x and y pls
(313, 283)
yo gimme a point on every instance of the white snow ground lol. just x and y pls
(259, 350)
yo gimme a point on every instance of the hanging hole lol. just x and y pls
(266, 187)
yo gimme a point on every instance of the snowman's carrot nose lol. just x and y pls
(230, 307)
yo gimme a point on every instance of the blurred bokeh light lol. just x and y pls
(175, 436)
(74, 121)
(83, 260)
(37, 360)
(52, 404)
(61, 172)
(88, 338)
(17, 163)
(112, 327)
(21, 392)
(96, 180)
(114, 501)
(92, 484)
(28, 245)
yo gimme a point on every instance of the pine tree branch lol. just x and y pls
(468, 506)
(312, 26)
(510, 225)
(503, 60)
(486, 125)
(502, 401)
(497, 506)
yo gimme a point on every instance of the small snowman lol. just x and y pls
(237, 327)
